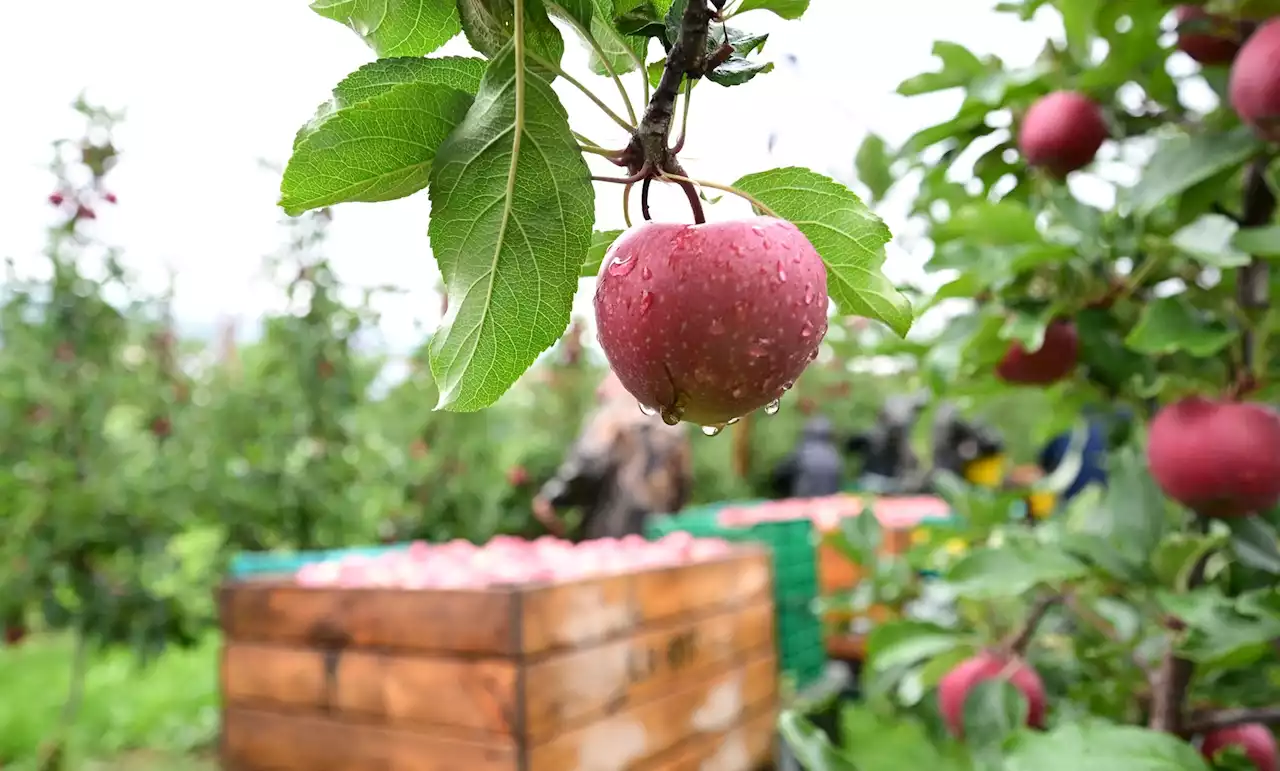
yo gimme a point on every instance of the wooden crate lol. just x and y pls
(662, 670)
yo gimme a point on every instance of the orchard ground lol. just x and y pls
(163, 717)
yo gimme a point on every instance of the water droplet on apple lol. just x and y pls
(713, 430)
(647, 410)
(808, 294)
(622, 265)
(782, 273)
(806, 331)
(787, 386)
(672, 415)
(737, 393)
(717, 327)
(646, 301)
(731, 421)
(813, 354)
(772, 407)
(757, 352)
(757, 230)
(645, 273)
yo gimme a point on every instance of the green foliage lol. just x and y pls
(1117, 586)
(511, 196)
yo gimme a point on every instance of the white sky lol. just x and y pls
(210, 89)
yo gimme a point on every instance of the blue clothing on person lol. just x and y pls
(1093, 465)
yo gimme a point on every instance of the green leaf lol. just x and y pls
(1208, 240)
(872, 164)
(1100, 746)
(601, 240)
(511, 213)
(376, 139)
(1256, 543)
(1260, 242)
(1219, 635)
(997, 224)
(993, 711)
(737, 69)
(402, 28)
(1176, 556)
(593, 21)
(787, 9)
(810, 745)
(872, 742)
(906, 643)
(1183, 161)
(489, 24)
(1012, 569)
(1171, 325)
(848, 236)
(1133, 518)
(959, 68)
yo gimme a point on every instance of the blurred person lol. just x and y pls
(815, 467)
(624, 467)
(889, 463)
(1105, 432)
(969, 450)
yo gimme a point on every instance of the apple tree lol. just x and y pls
(1102, 221)
(703, 322)
(92, 499)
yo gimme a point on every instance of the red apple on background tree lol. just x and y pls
(1054, 360)
(1255, 81)
(1255, 739)
(706, 323)
(956, 685)
(1209, 38)
(1219, 459)
(1062, 132)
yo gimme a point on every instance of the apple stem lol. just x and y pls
(644, 199)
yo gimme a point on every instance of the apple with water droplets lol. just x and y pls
(1219, 459)
(1255, 81)
(706, 323)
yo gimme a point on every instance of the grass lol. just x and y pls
(162, 717)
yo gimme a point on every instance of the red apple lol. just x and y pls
(1207, 37)
(1054, 360)
(1220, 459)
(706, 323)
(956, 685)
(1062, 132)
(1254, 85)
(1255, 739)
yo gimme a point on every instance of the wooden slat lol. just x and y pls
(571, 615)
(565, 689)
(746, 747)
(518, 622)
(626, 741)
(445, 621)
(265, 741)
(476, 695)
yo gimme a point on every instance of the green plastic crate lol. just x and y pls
(801, 649)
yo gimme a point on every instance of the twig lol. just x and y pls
(684, 117)
(642, 174)
(1170, 681)
(1202, 722)
(626, 204)
(685, 59)
(1016, 644)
